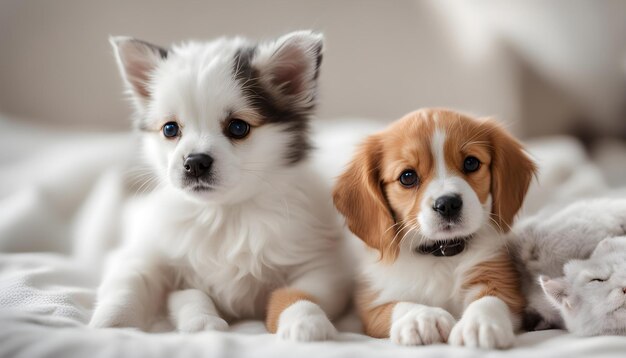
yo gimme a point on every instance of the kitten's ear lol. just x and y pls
(289, 68)
(137, 60)
(556, 291)
(610, 245)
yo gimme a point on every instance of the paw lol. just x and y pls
(202, 323)
(422, 325)
(483, 326)
(305, 321)
(481, 333)
(307, 329)
(116, 316)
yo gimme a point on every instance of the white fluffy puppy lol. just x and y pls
(239, 226)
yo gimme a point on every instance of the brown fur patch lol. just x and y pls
(376, 320)
(499, 278)
(359, 196)
(279, 300)
(379, 210)
(468, 137)
(511, 173)
(362, 191)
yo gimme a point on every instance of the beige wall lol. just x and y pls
(383, 58)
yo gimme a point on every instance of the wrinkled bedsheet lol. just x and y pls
(62, 195)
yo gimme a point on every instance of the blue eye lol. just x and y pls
(471, 164)
(408, 178)
(170, 129)
(238, 129)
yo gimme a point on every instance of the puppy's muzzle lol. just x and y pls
(197, 165)
(449, 206)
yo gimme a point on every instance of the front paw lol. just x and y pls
(203, 322)
(305, 321)
(116, 316)
(422, 325)
(485, 324)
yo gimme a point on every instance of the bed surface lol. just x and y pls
(62, 193)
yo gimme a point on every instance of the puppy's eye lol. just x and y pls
(471, 164)
(238, 129)
(597, 280)
(171, 130)
(408, 178)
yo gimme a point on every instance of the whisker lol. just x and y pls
(498, 233)
(402, 227)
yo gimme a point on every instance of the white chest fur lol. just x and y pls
(238, 253)
(426, 279)
(233, 256)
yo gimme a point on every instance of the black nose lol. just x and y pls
(448, 206)
(198, 164)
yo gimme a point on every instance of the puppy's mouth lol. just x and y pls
(198, 188)
(445, 248)
(450, 225)
(197, 185)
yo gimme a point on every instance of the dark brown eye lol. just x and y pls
(471, 164)
(238, 129)
(408, 178)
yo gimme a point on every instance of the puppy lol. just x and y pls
(239, 227)
(430, 197)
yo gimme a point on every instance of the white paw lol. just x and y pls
(202, 322)
(305, 321)
(421, 325)
(485, 324)
(118, 316)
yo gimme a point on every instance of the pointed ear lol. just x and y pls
(137, 61)
(358, 195)
(610, 245)
(511, 173)
(556, 291)
(289, 68)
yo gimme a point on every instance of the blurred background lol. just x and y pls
(543, 67)
(554, 71)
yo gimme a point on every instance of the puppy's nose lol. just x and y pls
(624, 290)
(197, 164)
(448, 206)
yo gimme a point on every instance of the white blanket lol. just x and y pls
(61, 199)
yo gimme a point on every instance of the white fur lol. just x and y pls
(265, 224)
(415, 324)
(591, 297)
(426, 279)
(437, 148)
(430, 288)
(486, 323)
(544, 243)
(305, 321)
(193, 311)
(473, 214)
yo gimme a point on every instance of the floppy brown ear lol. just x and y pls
(511, 173)
(358, 195)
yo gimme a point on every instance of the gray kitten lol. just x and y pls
(592, 295)
(542, 244)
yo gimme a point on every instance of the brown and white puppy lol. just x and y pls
(430, 196)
